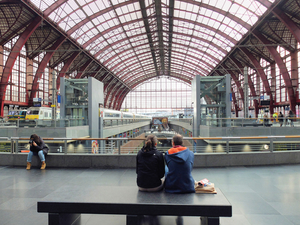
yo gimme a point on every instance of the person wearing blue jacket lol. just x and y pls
(179, 165)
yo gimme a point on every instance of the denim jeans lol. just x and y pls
(40, 153)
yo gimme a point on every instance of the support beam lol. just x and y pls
(288, 22)
(83, 68)
(121, 99)
(42, 66)
(13, 56)
(281, 65)
(239, 65)
(148, 32)
(66, 67)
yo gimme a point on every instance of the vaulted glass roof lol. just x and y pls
(141, 39)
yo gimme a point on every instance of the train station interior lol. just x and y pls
(95, 78)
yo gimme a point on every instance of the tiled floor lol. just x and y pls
(264, 195)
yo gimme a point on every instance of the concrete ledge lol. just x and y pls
(129, 161)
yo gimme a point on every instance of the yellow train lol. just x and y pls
(17, 114)
(39, 113)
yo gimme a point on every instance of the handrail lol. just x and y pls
(119, 146)
(169, 138)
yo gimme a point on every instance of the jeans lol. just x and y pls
(40, 153)
(166, 171)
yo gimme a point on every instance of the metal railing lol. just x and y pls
(16, 145)
(117, 122)
(69, 122)
(243, 122)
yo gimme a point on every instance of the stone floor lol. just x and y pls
(264, 195)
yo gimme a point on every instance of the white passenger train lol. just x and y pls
(114, 114)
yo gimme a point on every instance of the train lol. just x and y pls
(114, 114)
(39, 113)
(17, 114)
(42, 116)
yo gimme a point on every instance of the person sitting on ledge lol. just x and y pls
(37, 147)
(150, 166)
(179, 160)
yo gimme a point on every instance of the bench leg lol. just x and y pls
(64, 219)
(209, 220)
(133, 219)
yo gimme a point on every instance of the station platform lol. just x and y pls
(264, 195)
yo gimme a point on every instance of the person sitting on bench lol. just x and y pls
(179, 160)
(37, 147)
(150, 166)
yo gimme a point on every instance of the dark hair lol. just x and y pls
(150, 142)
(35, 138)
(177, 139)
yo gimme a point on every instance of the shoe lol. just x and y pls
(43, 165)
(28, 166)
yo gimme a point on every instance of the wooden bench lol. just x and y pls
(134, 204)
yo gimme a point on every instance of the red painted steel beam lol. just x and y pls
(108, 94)
(121, 99)
(66, 67)
(251, 86)
(107, 83)
(115, 96)
(262, 75)
(288, 22)
(112, 94)
(97, 14)
(83, 68)
(236, 81)
(198, 39)
(13, 56)
(194, 62)
(214, 30)
(266, 3)
(93, 74)
(54, 6)
(239, 88)
(281, 65)
(42, 66)
(220, 11)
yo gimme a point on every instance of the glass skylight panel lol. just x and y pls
(57, 14)
(122, 10)
(88, 10)
(114, 2)
(45, 4)
(102, 4)
(123, 19)
(135, 67)
(102, 18)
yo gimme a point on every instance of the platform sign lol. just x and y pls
(37, 99)
(37, 104)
